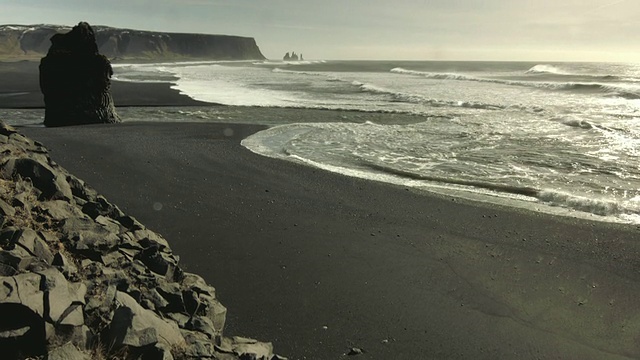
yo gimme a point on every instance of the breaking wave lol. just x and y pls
(547, 69)
(274, 142)
(552, 198)
(554, 70)
(615, 90)
(417, 99)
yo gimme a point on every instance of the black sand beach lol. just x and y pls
(20, 89)
(318, 263)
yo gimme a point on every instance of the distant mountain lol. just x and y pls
(32, 42)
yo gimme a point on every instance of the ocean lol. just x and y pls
(562, 138)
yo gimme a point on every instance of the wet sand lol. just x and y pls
(318, 262)
(20, 88)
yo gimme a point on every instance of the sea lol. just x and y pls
(560, 138)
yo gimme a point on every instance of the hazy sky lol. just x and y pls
(582, 30)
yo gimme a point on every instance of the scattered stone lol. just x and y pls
(355, 351)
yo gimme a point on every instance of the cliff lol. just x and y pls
(32, 42)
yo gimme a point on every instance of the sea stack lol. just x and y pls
(75, 80)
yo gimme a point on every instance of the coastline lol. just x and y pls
(318, 262)
(21, 89)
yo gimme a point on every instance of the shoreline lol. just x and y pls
(318, 262)
(22, 77)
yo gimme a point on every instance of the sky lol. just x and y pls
(519, 30)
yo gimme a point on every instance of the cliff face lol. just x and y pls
(32, 41)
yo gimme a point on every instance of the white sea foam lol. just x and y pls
(365, 151)
(547, 69)
(622, 90)
(602, 207)
(563, 143)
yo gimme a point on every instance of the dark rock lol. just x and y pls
(22, 328)
(6, 209)
(180, 319)
(215, 311)
(67, 351)
(75, 80)
(132, 325)
(63, 299)
(147, 238)
(58, 210)
(15, 261)
(159, 262)
(172, 293)
(80, 189)
(196, 283)
(159, 302)
(110, 224)
(130, 223)
(101, 207)
(198, 345)
(202, 324)
(28, 240)
(22, 331)
(63, 264)
(251, 349)
(88, 237)
(25, 290)
(51, 184)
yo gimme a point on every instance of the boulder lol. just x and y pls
(67, 352)
(22, 327)
(75, 80)
(51, 184)
(64, 300)
(134, 326)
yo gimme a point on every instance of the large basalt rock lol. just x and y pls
(75, 80)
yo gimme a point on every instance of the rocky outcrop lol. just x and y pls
(75, 80)
(292, 57)
(80, 279)
(32, 41)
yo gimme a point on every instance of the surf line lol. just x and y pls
(516, 190)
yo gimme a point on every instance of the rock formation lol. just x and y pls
(75, 80)
(292, 57)
(80, 279)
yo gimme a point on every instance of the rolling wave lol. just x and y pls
(554, 70)
(549, 197)
(417, 99)
(547, 69)
(616, 90)
(285, 71)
